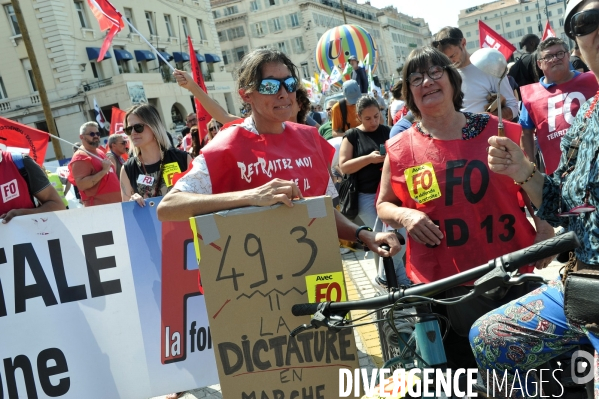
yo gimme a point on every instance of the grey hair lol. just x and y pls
(150, 116)
(84, 127)
(112, 139)
(332, 102)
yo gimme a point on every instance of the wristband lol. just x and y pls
(358, 230)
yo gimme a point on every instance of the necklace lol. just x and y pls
(158, 180)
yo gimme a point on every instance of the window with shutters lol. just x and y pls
(216, 14)
(282, 47)
(239, 53)
(227, 58)
(294, 20)
(528, 19)
(222, 36)
(561, 22)
(519, 32)
(497, 27)
(507, 24)
(271, 3)
(517, 22)
(529, 29)
(275, 24)
(298, 45)
(254, 5)
(260, 29)
(231, 10)
(235, 33)
(560, 11)
(468, 34)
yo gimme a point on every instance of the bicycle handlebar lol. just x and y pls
(511, 262)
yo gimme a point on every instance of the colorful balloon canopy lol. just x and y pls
(336, 46)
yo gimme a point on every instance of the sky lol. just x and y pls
(438, 13)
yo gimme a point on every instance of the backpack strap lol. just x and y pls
(343, 107)
(17, 158)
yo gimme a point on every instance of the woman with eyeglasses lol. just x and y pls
(149, 170)
(569, 198)
(436, 184)
(244, 164)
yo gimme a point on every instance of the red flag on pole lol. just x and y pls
(16, 137)
(202, 115)
(548, 32)
(117, 121)
(109, 18)
(489, 38)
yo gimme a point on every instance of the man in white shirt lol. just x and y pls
(476, 84)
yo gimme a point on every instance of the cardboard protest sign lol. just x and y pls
(254, 263)
(85, 305)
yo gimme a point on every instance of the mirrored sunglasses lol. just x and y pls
(585, 22)
(272, 85)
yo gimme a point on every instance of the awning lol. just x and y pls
(122, 55)
(200, 57)
(144, 55)
(166, 55)
(94, 52)
(211, 58)
(180, 57)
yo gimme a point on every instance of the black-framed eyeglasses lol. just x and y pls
(212, 129)
(550, 57)
(435, 73)
(584, 22)
(93, 134)
(138, 127)
(447, 40)
(272, 85)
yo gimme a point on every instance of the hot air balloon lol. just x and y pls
(337, 44)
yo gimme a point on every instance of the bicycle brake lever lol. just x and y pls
(333, 321)
(300, 329)
(527, 277)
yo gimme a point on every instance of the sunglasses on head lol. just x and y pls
(93, 134)
(272, 85)
(447, 40)
(584, 22)
(138, 127)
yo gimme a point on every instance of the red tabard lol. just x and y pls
(15, 194)
(238, 159)
(553, 110)
(108, 184)
(476, 209)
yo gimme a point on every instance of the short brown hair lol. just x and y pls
(249, 74)
(420, 60)
(550, 41)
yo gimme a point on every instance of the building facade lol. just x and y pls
(513, 19)
(295, 27)
(66, 40)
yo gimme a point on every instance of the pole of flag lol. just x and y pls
(150, 44)
(73, 145)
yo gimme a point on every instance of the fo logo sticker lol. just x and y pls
(9, 190)
(422, 183)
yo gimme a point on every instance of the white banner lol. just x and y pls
(80, 307)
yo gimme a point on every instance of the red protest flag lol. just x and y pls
(117, 121)
(202, 115)
(17, 137)
(489, 38)
(548, 32)
(108, 18)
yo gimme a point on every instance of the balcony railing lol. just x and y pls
(97, 84)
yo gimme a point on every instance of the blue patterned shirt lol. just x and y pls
(586, 226)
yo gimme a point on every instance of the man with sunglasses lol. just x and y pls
(550, 106)
(326, 129)
(476, 85)
(92, 172)
(118, 146)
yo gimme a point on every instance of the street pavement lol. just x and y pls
(360, 273)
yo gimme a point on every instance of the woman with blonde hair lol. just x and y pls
(153, 161)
